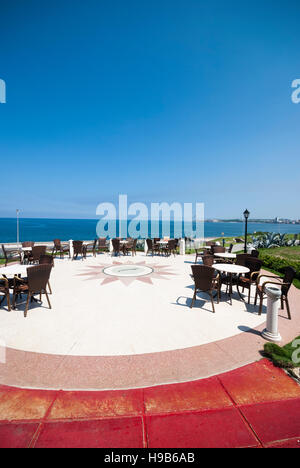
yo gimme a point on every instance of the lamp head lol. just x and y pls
(246, 214)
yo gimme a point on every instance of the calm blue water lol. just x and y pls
(85, 229)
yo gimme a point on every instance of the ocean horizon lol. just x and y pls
(47, 229)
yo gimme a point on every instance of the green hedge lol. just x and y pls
(276, 263)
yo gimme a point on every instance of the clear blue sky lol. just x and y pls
(161, 100)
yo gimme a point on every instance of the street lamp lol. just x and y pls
(246, 216)
(18, 229)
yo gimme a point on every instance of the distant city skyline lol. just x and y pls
(164, 101)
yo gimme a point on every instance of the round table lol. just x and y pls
(225, 255)
(231, 269)
(13, 270)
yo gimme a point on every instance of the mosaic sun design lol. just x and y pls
(128, 272)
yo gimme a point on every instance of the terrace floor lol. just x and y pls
(120, 323)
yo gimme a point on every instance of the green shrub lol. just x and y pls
(279, 264)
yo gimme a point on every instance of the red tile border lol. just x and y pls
(230, 410)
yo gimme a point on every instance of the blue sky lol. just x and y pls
(162, 100)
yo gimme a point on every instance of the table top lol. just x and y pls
(26, 249)
(225, 255)
(230, 268)
(12, 270)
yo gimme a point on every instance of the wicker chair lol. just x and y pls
(36, 253)
(13, 253)
(169, 248)
(116, 246)
(36, 283)
(254, 265)
(90, 248)
(102, 245)
(153, 247)
(4, 289)
(47, 260)
(208, 260)
(60, 248)
(130, 246)
(78, 249)
(255, 253)
(241, 259)
(205, 281)
(285, 283)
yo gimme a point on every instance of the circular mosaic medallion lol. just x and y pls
(128, 270)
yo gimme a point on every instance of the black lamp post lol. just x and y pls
(246, 216)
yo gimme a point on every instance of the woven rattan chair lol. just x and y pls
(36, 284)
(78, 249)
(284, 283)
(36, 253)
(254, 253)
(102, 245)
(90, 248)
(153, 247)
(208, 260)
(249, 279)
(205, 281)
(116, 247)
(169, 248)
(60, 248)
(47, 260)
(11, 254)
(4, 290)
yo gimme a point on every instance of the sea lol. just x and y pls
(45, 230)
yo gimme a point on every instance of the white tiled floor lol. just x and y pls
(91, 319)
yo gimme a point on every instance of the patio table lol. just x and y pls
(13, 270)
(225, 255)
(231, 269)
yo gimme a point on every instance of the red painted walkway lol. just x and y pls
(255, 406)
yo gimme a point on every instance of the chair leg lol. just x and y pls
(282, 304)
(27, 304)
(193, 300)
(50, 290)
(255, 300)
(212, 302)
(260, 304)
(249, 293)
(48, 299)
(8, 302)
(288, 308)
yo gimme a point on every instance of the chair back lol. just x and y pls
(27, 244)
(150, 244)
(241, 259)
(254, 264)
(37, 252)
(203, 277)
(289, 276)
(46, 260)
(134, 244)
(57, 243)
(116, 244)
(208, 260)
(255, 253)
(38, 277)
(217, 249)
(102, 242)
(230, 248)
(171, 244)
(78, 247)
